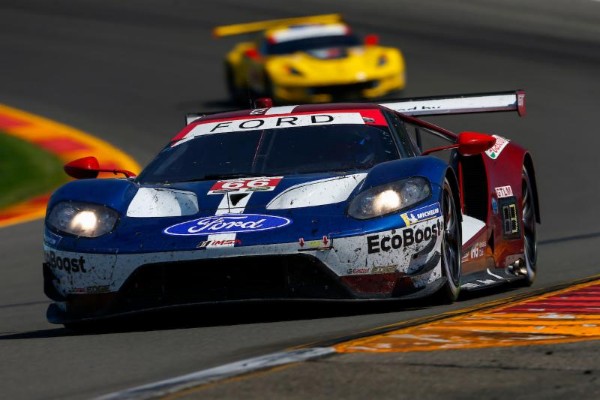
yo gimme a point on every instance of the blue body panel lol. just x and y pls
(133, 235)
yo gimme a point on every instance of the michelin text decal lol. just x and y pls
(421, 214)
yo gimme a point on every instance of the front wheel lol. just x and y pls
(451, 247)
(236, 94)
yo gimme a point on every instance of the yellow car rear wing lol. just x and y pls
(462, 104)
(251, 27)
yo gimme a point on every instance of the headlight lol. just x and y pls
(82, 219)
(389, 198)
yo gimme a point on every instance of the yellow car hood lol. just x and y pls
(331, 66)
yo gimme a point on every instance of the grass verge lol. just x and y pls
(26, 170)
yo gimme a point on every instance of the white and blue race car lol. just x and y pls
(329, 201)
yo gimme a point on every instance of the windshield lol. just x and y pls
(307, 44)
(270, 152)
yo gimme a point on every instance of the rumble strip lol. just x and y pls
(65, 142)
(569, 313)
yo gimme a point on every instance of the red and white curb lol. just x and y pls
(65, 142)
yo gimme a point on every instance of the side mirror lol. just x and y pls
(371, 40)
(252, 53)
(83, 168)
(89, 168)
(471, 143)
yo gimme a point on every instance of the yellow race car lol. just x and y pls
(309, 60)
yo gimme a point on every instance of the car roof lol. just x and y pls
(305, 31)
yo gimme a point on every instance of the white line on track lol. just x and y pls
(168, 386)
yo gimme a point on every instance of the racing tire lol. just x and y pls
(235, 93)
(528, 220)
(451, 248)
(268, 87)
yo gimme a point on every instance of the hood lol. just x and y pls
(330, 65)
(233, 196)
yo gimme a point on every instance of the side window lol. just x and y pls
(408, 147)
(425, 138)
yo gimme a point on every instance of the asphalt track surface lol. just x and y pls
(128, 71)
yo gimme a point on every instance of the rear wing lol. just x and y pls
(251, 27)
(462, 104)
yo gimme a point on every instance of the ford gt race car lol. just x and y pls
(309, 60)
(334, 201)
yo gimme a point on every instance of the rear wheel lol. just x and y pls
(268, 86)
(451, 247)
(529, 228)
(236, 94)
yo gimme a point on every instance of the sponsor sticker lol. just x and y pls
(477, 250)
(510, 218)
(357, 271)
(497, 148)
(421, 214)
(262, 184)
(383, 269)
(219, 243)
(407, 237)
(227, 223)
(324, 244)
(504, 191)
(264, 122)
(92, 289)
(494, 206)
(67, 264)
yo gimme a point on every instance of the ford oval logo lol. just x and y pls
(228, 223)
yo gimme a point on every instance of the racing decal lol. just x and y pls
(421, 214)
(358, 271)
(409, 236)
(258, 111)
(308, 31)
(96, 289)
(317, 193)
(504, 191)
(228, 223)
(218, 243)
(263, 184)
(325, 243)
(243, 125)
(67, 264)
(510, 218)
(494, 206)
(231, 203)
(497, 148)
(159, 202)
(384, 269)
(476, 251)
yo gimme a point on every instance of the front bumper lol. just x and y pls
(397, 263)
(368, 89)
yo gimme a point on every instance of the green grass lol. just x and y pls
(26, 170)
